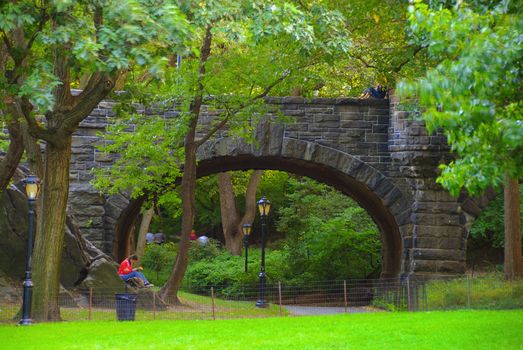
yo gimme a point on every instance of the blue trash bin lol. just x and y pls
(125, 306)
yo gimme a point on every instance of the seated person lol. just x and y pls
(126, 271)
(149, 237)
(159, 238)
(375, 93)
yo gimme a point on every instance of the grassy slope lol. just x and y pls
(430, 330)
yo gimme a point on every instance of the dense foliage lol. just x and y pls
(474, 91)
(316, 233)
(488, 227)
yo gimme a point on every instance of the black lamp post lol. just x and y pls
(31, 189)
(246, 232)
(264, 206)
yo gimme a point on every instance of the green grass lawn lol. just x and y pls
(422, 330)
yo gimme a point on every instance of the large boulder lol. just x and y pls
(82, 265)
(10, 290)
(103, 279)
(13, 232)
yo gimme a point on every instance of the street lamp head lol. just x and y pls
(264, 206)
(32, 186)
(246, 229)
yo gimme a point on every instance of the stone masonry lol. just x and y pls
(368, 149)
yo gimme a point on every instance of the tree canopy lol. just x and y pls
(474, 93)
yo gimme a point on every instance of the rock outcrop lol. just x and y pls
(83, 265)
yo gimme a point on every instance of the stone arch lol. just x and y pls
(367, 186)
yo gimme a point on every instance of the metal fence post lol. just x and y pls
(345, 295)
(90, 303)
(408, 293)
(279, 296)
(425, 301)
(154, 305)
(468, 292)
(212, 297)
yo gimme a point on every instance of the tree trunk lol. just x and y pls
(231, 222)
(170, 290)
(513, 266)
(144, 228)
(250, 199)
(49, 239)
(129, 245)
(15, 151)
(229, 214)
(189, 180)
(33, 153)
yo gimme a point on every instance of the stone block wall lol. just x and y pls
(435, 238)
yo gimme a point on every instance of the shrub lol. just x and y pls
(224, 270)
(208, 251)
(157, 257)
(486, 292)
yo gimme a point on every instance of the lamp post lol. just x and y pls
(246, 232)
(264, 206)
(31, 189)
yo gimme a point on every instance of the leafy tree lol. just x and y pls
(157, 256)
(49, 47)
(328, 236)
(232, 223)
(474, 95)
(308, 200)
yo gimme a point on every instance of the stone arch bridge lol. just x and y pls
(368, 149)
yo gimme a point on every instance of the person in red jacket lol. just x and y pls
(126, 271)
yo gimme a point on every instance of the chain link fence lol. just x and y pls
(280, 300)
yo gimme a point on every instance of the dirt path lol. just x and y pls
(326, 310)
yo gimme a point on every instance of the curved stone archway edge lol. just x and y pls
(367, 186)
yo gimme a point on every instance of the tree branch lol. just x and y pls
(402, 64)
(33, 128)
(213, 130)
(205, 52)
(362, 60)
(43, 19)
(98, 87)
(224, 121)
(6, 41)
(15, 151)
(268, 89)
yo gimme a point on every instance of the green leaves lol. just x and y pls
(474, 93)
(15, 14)
(148, 162)
(328, 236)
(98, 36)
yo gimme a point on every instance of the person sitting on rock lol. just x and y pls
(127, 272)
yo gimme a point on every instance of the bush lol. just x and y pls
(158, 257)
(224, 270)
(208, 251)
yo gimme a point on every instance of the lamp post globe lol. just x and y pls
(246, 228)
(264, 206)
(31, 188)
